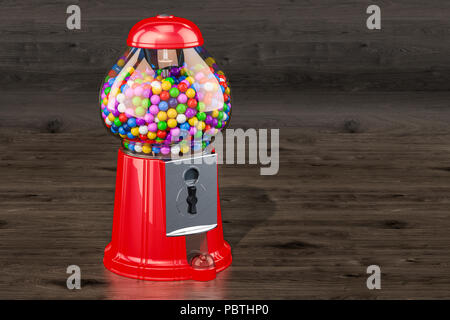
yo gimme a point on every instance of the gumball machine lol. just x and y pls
(166, 98)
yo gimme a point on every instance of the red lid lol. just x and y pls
(165, 32)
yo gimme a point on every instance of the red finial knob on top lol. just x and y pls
(165, 32)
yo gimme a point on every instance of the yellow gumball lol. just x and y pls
(146, 148)
(190, 79)
(156, 89)
(162, 116)
(135, 131)
(172, 113)
(227, 90)
(105, 101)
(193, 121)
(215, 113)
(151, 135)
(166, 85)
(159, 78)
(172, 123)
(190, 93)
(114, 91)
(123, 136)
(184, 149)
(121, 63)
(130, 70)
(111, 117)
(201, 125)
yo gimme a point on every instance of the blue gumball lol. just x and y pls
(131, 122)
(156, 149)
(163, 106)
(185, 126)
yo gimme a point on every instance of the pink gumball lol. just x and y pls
(199, 76)
(138, 91)
(149, 117)
(129, 112)
(153, 127)
(129, 93)
(155, 99)
(154, 109)
(146, 93)
(182, 98)
(192, 131)
(175, 132)
(165, 150)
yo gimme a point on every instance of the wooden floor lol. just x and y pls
(364, 179)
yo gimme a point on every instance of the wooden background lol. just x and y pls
(364, 173)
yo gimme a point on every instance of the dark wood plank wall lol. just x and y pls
(311, 45)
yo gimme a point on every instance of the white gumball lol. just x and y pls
(121, 107)
(120, 97)
(143, 130)
(181, 118)
(175, 150)
(138, 147)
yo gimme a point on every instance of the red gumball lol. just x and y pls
(164, 95)
(161, 134)
(182, 87)
(226, 97)
(207, 128)
(211, 69)
(192, 103)
(123, 118)
(143, 136)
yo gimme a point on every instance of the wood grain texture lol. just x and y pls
(340, 202)
(310, 45)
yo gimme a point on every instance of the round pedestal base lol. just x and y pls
(169, 272)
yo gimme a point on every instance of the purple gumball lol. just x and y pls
(173, 102)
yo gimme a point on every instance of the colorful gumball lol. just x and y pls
(160, 110)
(161, 134)
(172, 113)
(192, 103)
(171, 123)
(162, 125)
(190, 93)
(182, 86)
(165, 95)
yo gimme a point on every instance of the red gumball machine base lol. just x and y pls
(140, 246)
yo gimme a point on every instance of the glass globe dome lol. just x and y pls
(165, 101)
